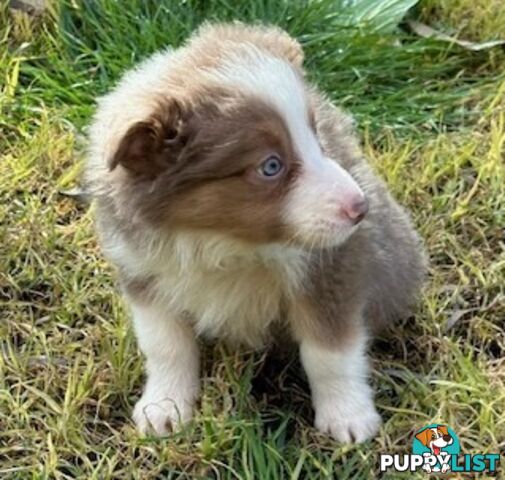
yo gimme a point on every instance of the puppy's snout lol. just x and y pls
(356, 209)
(447, 438)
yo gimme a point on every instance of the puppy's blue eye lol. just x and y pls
(271, 167)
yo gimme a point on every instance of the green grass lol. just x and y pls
(432, 119)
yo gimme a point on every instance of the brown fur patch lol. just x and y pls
(139, 288)
(205, 175)
(331, 311)
(323, 324)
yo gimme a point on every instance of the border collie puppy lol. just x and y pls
(233, 199)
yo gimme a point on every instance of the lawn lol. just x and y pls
(431, 116)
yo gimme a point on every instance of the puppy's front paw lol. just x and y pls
(161, 416)
(347, 423)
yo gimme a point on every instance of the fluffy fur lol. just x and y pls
(207, 245)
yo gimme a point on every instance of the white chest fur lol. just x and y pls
(228, 289)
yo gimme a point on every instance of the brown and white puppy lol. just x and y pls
(233, 198)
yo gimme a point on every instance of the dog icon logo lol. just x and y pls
(436, 443)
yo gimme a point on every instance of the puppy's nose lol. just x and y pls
(447, 438)
(356, 210)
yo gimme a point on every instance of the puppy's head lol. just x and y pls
(238, 153)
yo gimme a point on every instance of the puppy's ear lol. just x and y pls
(149, 147)
(424, 436)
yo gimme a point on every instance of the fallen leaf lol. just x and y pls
(428, 32)
(77, 193)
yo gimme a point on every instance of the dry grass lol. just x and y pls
(480, 21)
(70, 371)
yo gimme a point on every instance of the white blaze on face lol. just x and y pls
(317, 204)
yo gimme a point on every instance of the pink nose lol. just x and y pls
(356, 210)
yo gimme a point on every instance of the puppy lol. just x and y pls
(233, 198)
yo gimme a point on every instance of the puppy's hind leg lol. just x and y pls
(172, 364)
(341, 395)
